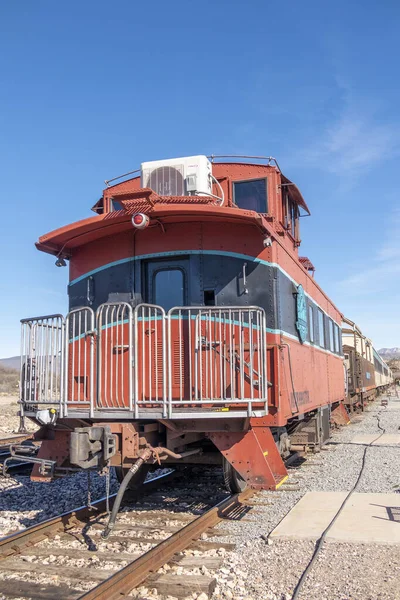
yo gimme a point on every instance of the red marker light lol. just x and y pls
(140, 221)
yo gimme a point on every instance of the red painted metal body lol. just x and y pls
(302, 376)
(253, 453)
(340, 416)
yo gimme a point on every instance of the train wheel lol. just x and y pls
(234, 482)
(137, 480)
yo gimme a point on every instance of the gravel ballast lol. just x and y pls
(259, 568)
(343, 571)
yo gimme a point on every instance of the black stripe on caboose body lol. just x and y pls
(207, 278)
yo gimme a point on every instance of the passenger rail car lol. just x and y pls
(383, 373)
(195, 332)
(367, 374)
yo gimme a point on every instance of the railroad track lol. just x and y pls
(16, 467)
(66, 558)
(13, 438)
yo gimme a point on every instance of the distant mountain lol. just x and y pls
(10, 363)
(388, 353)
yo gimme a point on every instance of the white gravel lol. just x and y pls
(258, 569)
(343, 571)
(24, 503)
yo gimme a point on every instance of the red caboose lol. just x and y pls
(195, 332)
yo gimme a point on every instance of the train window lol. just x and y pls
(311, 323)
(331, 342)
(209, 298)
(291, 216)
(321, 331)
(169, 288)
(115, 205)
(337, 344)
(251, 195)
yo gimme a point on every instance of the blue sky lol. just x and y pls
(91, 89)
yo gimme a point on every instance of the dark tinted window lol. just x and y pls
(209, 297)
(337, 345)
(321, 332)
(331, 342)
(115, 205)
(169, 288)
(311, 323)
(251, 195)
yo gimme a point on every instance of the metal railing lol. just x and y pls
(114, 324)
(42, 360)
(79, 358)
(189, 361)
(150, 360)
(217, 357)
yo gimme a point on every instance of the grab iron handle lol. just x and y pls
(90, 290)
(246, 291)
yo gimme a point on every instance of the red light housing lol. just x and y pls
(140, 220)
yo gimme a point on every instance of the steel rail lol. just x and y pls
(129, 577)
(16, 468)
(14, 439)
(13, 543)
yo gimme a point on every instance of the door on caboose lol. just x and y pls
(166, 284)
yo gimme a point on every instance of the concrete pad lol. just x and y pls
(368, 518)
(386, 438)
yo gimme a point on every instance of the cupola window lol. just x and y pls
(251, 195)
(291, 216)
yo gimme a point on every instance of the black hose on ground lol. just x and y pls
(319, 543)
(122, 488)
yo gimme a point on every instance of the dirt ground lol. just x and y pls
(9, 401)
(9, 419)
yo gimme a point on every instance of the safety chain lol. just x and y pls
(108, 474)
(89, 490)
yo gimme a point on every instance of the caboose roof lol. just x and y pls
(60, 241)
(133, 198)
(296, 194)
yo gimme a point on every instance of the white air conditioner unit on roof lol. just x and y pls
(188, 176)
